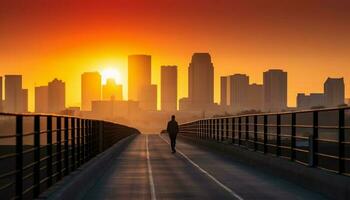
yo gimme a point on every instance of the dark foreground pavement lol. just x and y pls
(146, 169)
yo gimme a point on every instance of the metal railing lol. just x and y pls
(316, 138)
(37, 150)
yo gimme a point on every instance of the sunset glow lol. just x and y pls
(111, 73)
(305, 38)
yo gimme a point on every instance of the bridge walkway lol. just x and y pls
(147, 169)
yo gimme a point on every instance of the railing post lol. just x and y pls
(49, 150)
(59, 147)
(239, 130)
(78, 142)
(222, 129)
(36, 167)
(233, 134)
(293, 133)
(278, 137)
(207, 129)
(218, 129)
(87, 139)
(19, 157)
(313, 142)
(265, 133)
(66, 147)
(73, 143)
(198, 131)
(84, 139)
(341, 140)
(227, 128)
(255, 133)
(247, 132)
(90, 138)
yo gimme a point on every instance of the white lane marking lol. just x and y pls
(150, 175)
(234, 194)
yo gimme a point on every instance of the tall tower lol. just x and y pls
(16, 98)
(239, 91)
(42, 99)
(275, 90)
(334, 91)
(168, 88)
(139, 75)
(90, 89)
(56, 96)
(201, 81)
(223, 90)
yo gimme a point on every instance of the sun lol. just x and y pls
(111, 73)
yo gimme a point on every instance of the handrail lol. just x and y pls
(285, 140)
(70, 142)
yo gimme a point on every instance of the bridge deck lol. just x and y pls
(192, 173)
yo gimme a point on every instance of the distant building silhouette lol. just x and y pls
(1, 100)
(184, 104)
(148, 98)
(238, 95)
(41, 99)
(139, 75)
(16, 98)
(255, 97)
(201, 81)
(275, 90)
(334, 91)
(110, 109)
(56, 96)
(309, 101)
(90, 89)
(239, 91)
(224, 87)
(168, 88)
(112, 91)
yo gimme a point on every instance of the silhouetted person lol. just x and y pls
(172, 129)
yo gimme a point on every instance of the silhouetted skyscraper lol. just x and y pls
(90, 89)
(16, 98)
(239, 89)
(168, 88)
(112, 91)
(42, 99)
(57, 96)
(255, 99)
(139, 75)
(308, 101)
(201, 81)
(334, 91)
(275, 90)
(148, 98)
(223, 91)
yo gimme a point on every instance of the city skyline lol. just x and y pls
(239, 93)
(155, 89)
(307, 42)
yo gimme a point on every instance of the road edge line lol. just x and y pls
(207, 173)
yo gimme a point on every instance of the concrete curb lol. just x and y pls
(76, 184)
(329, 184)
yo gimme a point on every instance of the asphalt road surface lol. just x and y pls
(147, 169)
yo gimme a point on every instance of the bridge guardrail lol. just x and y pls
(315, 138)
(38, 150)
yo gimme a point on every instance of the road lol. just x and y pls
(147, 169)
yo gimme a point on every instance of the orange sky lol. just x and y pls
(44, 39)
